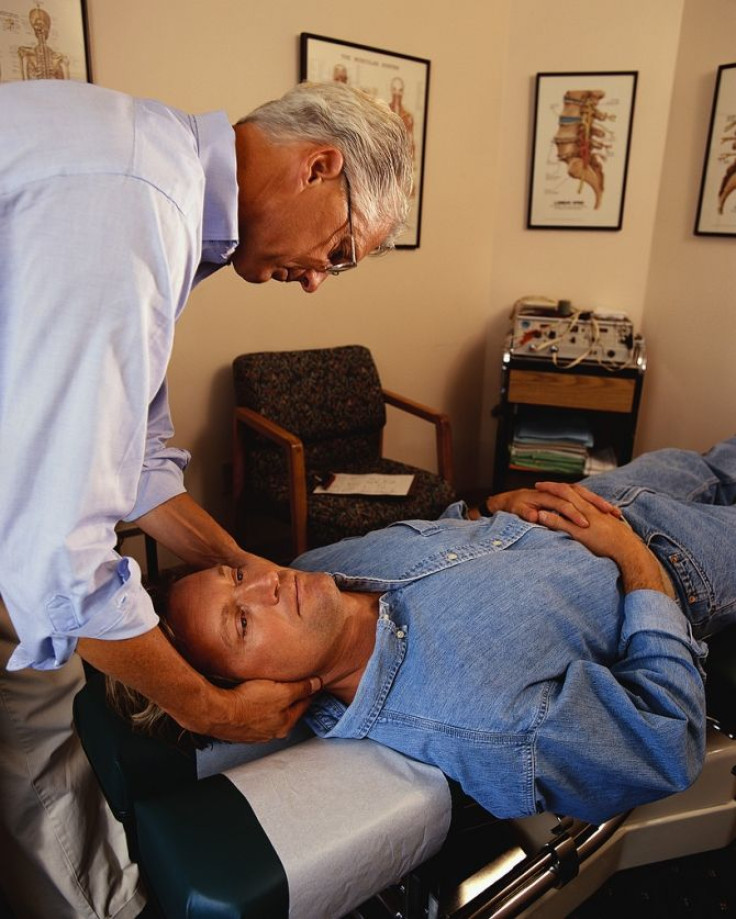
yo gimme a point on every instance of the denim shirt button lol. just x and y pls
(497, 542)
(451, 556)
(401, 633)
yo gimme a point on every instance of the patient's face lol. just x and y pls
(257, 621)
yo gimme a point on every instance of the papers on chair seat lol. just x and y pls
(371, 483)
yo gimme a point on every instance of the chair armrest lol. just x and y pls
(294, 449)
(440, 420)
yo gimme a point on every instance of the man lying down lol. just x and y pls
(548, 659)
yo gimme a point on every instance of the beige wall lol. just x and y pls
(601, 269)
(435, 317)
(690, 305)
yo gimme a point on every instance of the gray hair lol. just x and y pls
(375, 145)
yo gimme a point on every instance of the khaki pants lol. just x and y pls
(64, 855)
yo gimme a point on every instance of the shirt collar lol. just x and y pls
(332, 718)
(216, 141)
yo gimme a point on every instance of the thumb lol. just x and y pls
(303, 689)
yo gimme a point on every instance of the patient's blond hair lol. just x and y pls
(144, 716)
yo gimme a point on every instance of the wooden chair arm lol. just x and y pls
(440, 420)
(266, 427)
(294, 450)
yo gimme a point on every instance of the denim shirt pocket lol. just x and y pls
(422, 527)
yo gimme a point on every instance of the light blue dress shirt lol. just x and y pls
(508, 655)
(111, 209)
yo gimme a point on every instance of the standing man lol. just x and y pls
(111, 210)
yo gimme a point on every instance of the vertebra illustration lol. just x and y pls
(579, 138)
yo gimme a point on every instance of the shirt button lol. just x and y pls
(497, 542)
(451, 556)
(401, 633)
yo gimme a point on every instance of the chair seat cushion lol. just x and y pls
(334, 517)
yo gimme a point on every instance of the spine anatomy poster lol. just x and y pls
(582, 136)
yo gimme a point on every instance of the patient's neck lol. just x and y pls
(357, 642)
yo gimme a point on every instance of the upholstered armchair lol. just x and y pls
(303, 415)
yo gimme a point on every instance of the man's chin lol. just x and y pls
(251, 275)
(252, 278)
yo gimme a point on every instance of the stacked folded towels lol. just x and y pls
(557, 443)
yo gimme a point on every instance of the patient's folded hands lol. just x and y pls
(605, 533)
(555, 497)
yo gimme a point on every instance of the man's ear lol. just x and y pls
(322, 163)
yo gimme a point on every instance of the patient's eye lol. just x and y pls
(238, 572)
(243, 624)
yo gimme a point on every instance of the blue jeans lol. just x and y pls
(681, 503)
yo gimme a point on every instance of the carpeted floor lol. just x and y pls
(701, 886)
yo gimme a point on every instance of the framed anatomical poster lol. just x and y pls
(580, 150)
(717, 203)
(399, 79)
(43, 40)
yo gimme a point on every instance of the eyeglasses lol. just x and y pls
(352, 262)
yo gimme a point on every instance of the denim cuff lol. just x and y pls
(653, 611)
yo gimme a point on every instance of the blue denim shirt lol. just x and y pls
(508, 656)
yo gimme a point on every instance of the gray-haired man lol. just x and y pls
(112, 209)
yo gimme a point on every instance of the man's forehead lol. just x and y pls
(184, 595)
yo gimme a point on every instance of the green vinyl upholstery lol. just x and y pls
(200, 848)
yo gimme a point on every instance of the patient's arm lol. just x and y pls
(631, 730)
(639, 719)
(528, 502)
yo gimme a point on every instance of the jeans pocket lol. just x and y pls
(627, 494)
(696, 594)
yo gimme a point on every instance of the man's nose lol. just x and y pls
(263, 588)
(311, 280)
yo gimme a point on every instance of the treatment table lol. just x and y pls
(315, 829)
